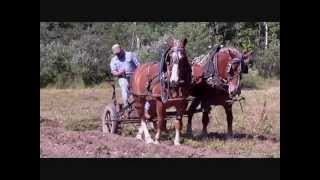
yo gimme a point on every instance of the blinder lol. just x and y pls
(176, 49)
(230, 70)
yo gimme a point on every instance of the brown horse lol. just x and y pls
(163, 85)
(221, 74)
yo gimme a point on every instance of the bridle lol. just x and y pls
(214, 77)
(172, 50)
(165, 75)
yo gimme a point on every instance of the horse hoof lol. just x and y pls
(149, 141)
(139, 137)
(151, 126)
(176, 143)
(156, 142)
(204, 135)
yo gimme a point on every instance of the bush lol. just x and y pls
(83, 62)
(267, 61)
(54, 63)
(251, 80)
(91, 59)
(152, 52)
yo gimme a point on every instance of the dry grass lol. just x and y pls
(257, 129)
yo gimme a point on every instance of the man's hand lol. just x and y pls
(120, 73)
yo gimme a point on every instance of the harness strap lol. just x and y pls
(150, 80)
(162, 75)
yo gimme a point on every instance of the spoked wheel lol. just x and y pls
(110, 119)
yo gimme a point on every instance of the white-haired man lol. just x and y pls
(122, 65)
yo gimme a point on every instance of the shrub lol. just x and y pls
(267, 61)
(83, 62)
(252, 80)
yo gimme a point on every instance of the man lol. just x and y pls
(122, 65)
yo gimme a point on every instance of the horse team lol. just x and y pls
(213, 81)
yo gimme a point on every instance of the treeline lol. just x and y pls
(78, 54)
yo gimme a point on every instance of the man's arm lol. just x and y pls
(135, 59)
(118, 73)
(115, 71)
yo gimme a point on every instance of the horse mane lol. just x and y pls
(165, 52)
(201, 60)
(234, 53)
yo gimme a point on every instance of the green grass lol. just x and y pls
(83, 124)
(253, 80)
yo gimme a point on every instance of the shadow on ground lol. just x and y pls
(236, 136)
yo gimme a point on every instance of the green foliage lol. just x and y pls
(268, 61)
(151, 52)
(197, 35)
(252, 80)
(82, 125)
(79, 54)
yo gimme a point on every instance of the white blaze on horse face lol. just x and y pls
(176, 56)
(179, 55)
(174, 74)
(232, 86)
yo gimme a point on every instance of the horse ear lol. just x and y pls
(170, 42)
(247, 56)
(184, 42)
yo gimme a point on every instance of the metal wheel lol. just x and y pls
(110, 119)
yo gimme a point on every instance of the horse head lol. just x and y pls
(235, 64)
(245, 61)
(177, 64)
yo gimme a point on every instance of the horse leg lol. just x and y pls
(138, 107)
(205, 122)
(192, 108)
(228, 110)
(147, 135)
(139, 134)
(164, 126)
(178, 127)
(205, 119)
(178, 122)
(160, 114)
(143, 127)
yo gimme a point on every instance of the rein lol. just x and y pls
(237, 99)
(164, 98)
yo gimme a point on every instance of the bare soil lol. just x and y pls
(56, 142)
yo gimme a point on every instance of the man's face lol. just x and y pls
(120, 54)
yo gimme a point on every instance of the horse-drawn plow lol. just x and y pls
(114, 115)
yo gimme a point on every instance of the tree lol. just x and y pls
(81, 52)
(266, 34)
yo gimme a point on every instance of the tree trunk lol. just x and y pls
(212, 32)
(266, 34)
(259, 34)
(133, 37)
(138, 42)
